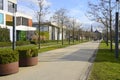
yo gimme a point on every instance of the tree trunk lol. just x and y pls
(110, 26)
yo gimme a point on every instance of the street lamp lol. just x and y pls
(39, 25)
(116, 29)
(14, 24)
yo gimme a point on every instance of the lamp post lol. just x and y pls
(73, 30)
(39, 29)
(62, 32)
(14, 23)
(116, 29)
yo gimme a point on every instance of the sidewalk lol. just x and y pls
(70, 63)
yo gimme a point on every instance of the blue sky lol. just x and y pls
(76, 8)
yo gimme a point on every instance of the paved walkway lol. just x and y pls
(70, 63)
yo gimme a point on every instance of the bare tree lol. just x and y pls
(68, 25)
(102, 12)
(42, 11)
(78, 30)
(60, 17)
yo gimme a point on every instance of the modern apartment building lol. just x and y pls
(8, 9)
(55, 32)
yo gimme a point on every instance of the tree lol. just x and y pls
(60, 17)
(103, 12)
(43, 10)
(68, 25)
(76, 29)
(79, 30)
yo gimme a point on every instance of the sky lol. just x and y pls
(76, 9)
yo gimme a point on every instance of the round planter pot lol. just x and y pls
(9, 68)
(31, 61)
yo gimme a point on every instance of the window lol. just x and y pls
(11, 7)
(44, 28)
(19, 21)
(53, 33)
(24, 21)
(1, 18)
(1, 4)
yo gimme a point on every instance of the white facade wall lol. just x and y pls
(50, 33)
(18, 14)
(56, 33)
(14, 1)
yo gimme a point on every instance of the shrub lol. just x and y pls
(4, 44)
(4, 35)
(25, 52)
(20, 43)
(8, 56)
(34, 39)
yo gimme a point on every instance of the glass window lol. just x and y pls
(18, 21)
(44, 28)
(1, 18)
(1, 4)
(24, 21)
(11, 7)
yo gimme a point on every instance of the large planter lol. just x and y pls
(8, 61)
(28, 56)
(9, 68)
(30, 61)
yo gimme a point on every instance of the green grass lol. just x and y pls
(51, 48)
(57, 46)
(105, 67)
(51, 45)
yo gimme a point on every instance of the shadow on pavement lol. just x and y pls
(85, 55)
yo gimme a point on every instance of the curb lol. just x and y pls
(86, 74)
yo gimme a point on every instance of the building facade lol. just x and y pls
(8, 9)
(55, 32)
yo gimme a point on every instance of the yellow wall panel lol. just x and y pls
(9, 18)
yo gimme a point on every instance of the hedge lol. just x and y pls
(25, 52)
(5, 44)
(8, 56)
(20, 43)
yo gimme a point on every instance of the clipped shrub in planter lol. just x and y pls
(28, 56)
(8, 61)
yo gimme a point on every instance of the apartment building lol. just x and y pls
(23, 23)
(55, 31)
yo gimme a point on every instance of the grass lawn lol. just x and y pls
(105, 67)
(50, 45)
(59, 45)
